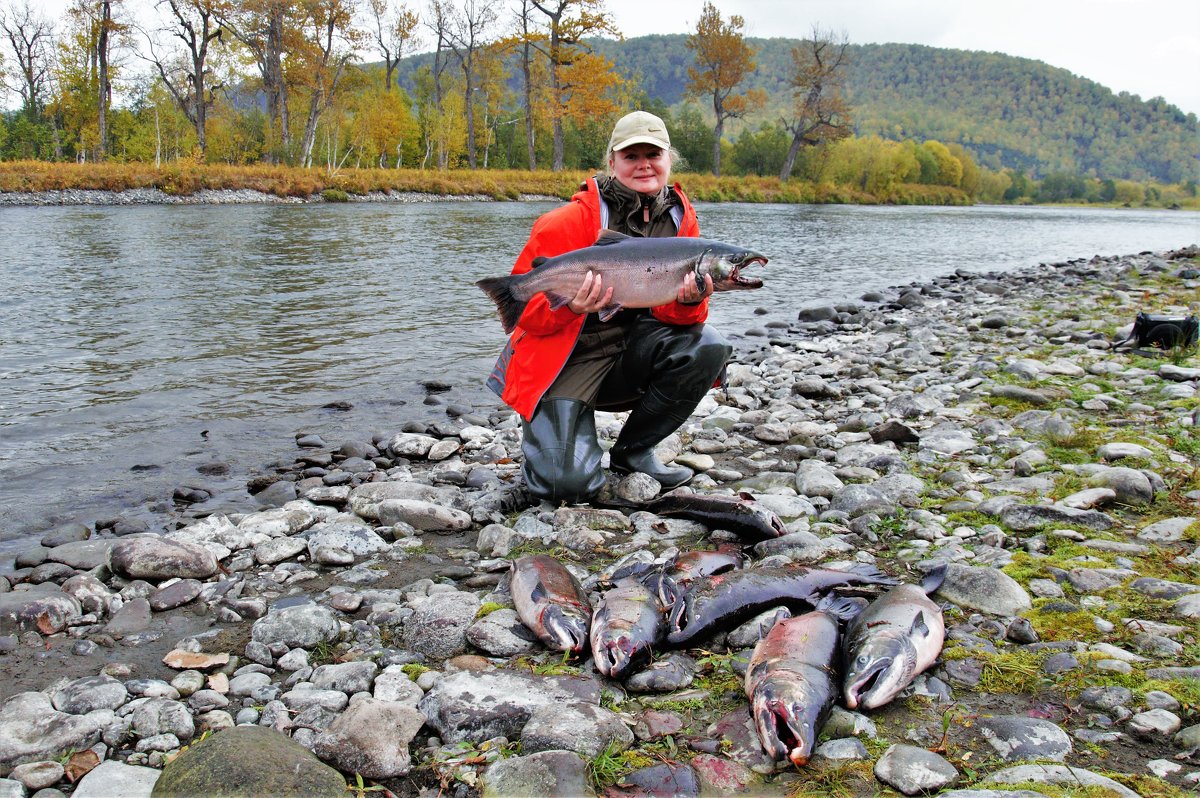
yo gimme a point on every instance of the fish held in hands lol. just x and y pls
(642, 272)
(550, 601)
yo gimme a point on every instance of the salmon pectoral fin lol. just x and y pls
(608, 311)
(556, 300)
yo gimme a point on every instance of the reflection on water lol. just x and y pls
(177, 336)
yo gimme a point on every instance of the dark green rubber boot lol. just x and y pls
(562, 455)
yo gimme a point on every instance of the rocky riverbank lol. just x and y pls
(354, 631)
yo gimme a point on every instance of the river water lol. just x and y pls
(140, 344)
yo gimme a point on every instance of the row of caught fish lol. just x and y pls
(790, 681)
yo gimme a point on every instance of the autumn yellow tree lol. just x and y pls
(187, 73)
(723, 61)
(331, 40)
(395, 31)
(268, 29)
(581, 84)
(819, 111)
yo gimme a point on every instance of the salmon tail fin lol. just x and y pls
(871, 575)
(933, 580)
(499, 289)
(844, 608)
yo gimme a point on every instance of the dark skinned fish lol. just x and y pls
(897, 636)
(691, 565)
(725, 600)
(643, 273)
(551, 602)
(791, 683)
(627, 625)
(739, 514)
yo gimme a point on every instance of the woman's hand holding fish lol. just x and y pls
(689, 293)
(591, 295)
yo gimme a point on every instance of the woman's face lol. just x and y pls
(644, 168)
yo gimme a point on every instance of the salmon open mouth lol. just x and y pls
(741, 281)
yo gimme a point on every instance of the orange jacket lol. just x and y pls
(543, 340)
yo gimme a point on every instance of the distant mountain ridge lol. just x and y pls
(1008, 111)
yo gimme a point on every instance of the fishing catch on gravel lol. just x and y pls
(790, 681)
(551, 602)
(897, 637)
(643, 273)
(627, 626)
(723, 601)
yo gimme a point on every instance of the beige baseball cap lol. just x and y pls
(639, 127)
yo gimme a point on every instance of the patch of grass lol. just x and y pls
(487, 608)
(548, 666)
(610, 765)
(1075, 449)
(413, 670)
(1015, 671)
(1054, 626)
(1149, 786)
(322, 653)
(836, 781)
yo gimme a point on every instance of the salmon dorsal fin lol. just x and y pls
(607, 237)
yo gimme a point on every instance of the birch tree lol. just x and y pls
(819, 111)
(394, 31)
(186, 73)
(268, 29)
(330, 42)
(723, 62)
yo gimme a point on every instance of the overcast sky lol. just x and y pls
(1146, 47)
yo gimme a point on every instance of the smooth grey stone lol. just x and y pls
(1016, 738)
(90, 694)
(111, 778)
(479, 706)
(913, 770)
(583, 728)
(31, 729)
(300, 626)
(371, 738)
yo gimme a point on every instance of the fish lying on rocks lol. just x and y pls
(626, 627)
(724, 600)
(896, 637)
(643, 273)
(739, 514)
(550, 601)
(791, 682)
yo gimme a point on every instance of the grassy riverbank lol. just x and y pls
(283, 181)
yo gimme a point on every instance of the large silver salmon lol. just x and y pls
(643, 273)
(896, 637)
(627, 626)
(551, 602)
(725, 600)
(790, 681)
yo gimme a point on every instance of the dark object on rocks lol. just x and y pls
(1163, 332)
(895, 432)
(740, 514)
(248, 760)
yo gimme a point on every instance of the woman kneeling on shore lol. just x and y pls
(560, 365)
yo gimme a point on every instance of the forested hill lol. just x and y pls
(1009, 112)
